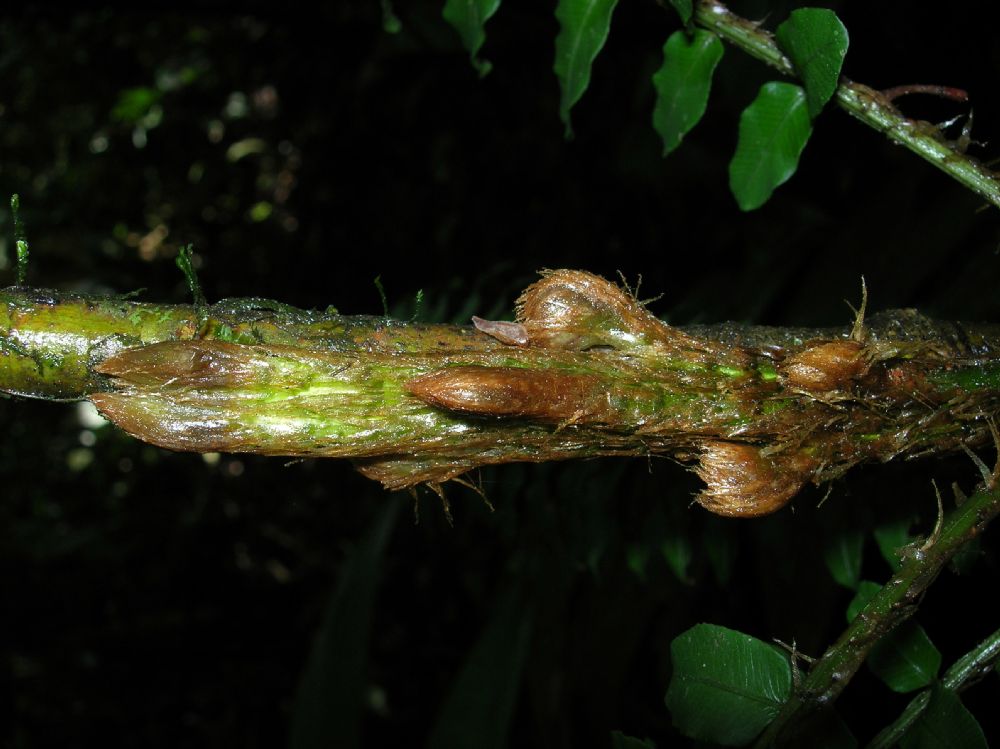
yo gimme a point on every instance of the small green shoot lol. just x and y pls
(381, 293)
(418, 305)
(185, 261)
(20, 240)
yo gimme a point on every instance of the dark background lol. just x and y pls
(156, 599)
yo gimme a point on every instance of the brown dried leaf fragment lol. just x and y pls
(826, 366)
(511, 333)
(546, 395)
(743, 482)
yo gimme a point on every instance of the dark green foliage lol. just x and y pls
(843, 557)
(583, 29)
(945, 724)
(727, 686)
(478, 709)
(621, 741)
(721, 544)
(684, 9)
(824, 730)
(906, 659)
(334, 683)
(773, 131)
(469, 18)
(677, 551)
(892, 539)
(390, 21)
(683, 82)
(967, 669)
(135, 103)
(816, 42)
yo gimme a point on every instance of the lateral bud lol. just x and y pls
(546, 395)
(511, 333)
(744, 482)
(575, 311)
(826, 366)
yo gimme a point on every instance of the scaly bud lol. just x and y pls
(826, 366)
(543, 394)
(743, 482)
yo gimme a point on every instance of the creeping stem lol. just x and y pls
(584, 371)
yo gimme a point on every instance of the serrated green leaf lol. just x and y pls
(843, 557)
(773, 131)
(620, 741)
(684, 10)
(816, 42)
(469, 18)
(683, 82)
(905, 659)
(866, 590)
(891, 539)
(482, 698)
(583, 29)
(726, 686)
(945, 724)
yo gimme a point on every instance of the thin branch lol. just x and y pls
(891, 606)
(866, 104)
(965, 672)
(974, 665)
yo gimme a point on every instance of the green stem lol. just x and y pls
(586, 371)
(747, 35)
(966, 671)
(864, 103)
(974, 665)
(891, 606)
